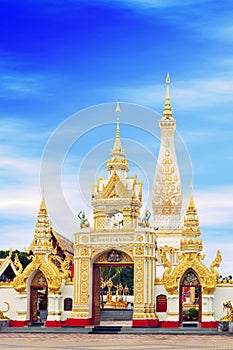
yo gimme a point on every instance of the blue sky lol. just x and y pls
(58, 57)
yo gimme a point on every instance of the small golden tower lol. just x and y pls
(117, 199)
(41, 243)
(191, 230)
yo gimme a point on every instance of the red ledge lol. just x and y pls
(145, 322)
(53, 324)
(78, 322)
(169, 324)
(211, 324)
(15, 323)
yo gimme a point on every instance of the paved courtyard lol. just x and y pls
(22, 341)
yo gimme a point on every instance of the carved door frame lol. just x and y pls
(103, 260)
(34, 288)
(198, 285)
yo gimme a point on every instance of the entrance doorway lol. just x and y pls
(113, 289)
(190, 299)
(39, 298)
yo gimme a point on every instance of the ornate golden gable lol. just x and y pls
(114, 188)
(208, 278)
(38, 263)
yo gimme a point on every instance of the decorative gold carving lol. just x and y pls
(166, 249)
(18, 265)
(158, 281)
(216, 263)
(84, 252)
(38, 263)
(103, 258)
(139, 281)
(64, 271)
(114, 188)
(166, 191)
(84, 279)
(139, 251)
(84, 239)
(139, 238)
(208, 279)
(2, 316)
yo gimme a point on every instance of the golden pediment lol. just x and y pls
(38, 263)
(191, 260)
(114, 188)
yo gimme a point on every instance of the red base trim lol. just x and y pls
(145, 323)
(210, 324)
(78, 322)
(53, 324)
(169, 324)
(15, 323)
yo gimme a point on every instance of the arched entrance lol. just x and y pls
(38, 298)
(110, 290)
(190, 299)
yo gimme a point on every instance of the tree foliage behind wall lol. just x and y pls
(121, 274)
(22, 256)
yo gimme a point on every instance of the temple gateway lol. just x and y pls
(73, 283)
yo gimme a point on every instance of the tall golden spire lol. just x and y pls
(118, 111)
(167, 113)
(42, 209)
(118, 159)
(117, 149)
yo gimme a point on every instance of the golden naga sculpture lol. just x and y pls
(167, 264)
(229, 317)
(64, 270)
(2, 317)
(18, 265)
(216, 263)
(191, 260)
(38, 263)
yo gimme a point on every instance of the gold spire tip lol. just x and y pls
(118, 108)
(168, 79)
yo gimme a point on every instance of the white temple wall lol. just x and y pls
(67, 292)
(173, 308)
(9, 295)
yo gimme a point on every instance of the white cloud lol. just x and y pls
(18, 85)
(222, 32)
(153, 4)
(215, 206)
(185, 95)
(19, 169)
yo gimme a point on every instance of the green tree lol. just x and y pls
(23, 256)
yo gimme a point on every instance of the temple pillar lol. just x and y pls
(81, 312)
(207, 320)
(54, 311)
(144, 276)
(22, 311)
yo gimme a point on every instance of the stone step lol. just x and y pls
(116, 315)
(106, 330)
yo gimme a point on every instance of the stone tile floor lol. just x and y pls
(37, 341)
